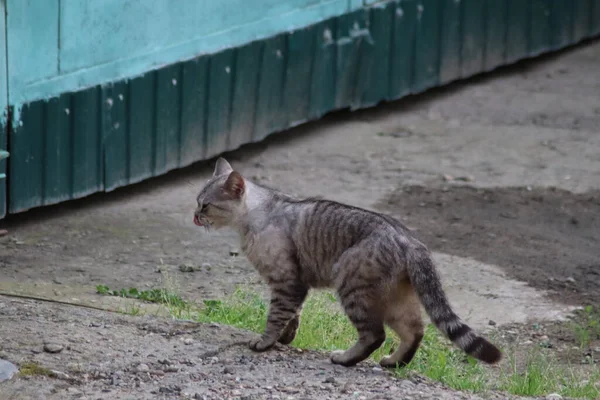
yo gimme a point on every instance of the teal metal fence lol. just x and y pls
(115, 134)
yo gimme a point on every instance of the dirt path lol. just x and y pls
(110, 356)
(499, 245)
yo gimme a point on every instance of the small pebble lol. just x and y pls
(142, 368)
(570, 279)
(492, 322)
(53, 348)
(554, 396)
(186, 268)
(188, 341)
(228, 371)
(234, 252)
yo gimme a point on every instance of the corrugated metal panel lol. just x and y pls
(582, 19)
(595, 18)
(495, 33)
(4, 120)
(403, 49)
(110, 136)
(427, 45)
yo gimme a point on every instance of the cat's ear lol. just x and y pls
(222, 167)
(235, 185)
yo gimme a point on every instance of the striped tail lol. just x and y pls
(427, 284)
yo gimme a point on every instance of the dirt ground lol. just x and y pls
(549, 238)
(498, 175)
(112, 356)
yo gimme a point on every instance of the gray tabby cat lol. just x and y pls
(380, 271)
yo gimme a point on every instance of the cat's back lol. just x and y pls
(326, 228)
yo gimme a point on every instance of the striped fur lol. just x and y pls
(382, 274)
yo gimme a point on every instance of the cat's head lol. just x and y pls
(222, 199)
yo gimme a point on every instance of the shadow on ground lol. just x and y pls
(549, 238)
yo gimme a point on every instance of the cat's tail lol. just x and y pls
(427, 284)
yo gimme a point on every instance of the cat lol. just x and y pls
(382, 274)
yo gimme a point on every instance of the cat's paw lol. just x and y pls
(260, 345)
(339, 357)
(289, 333)
(287, 337)
(388, 362)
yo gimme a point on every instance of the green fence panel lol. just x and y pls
(351, 33)
(582, 19)
(270, 88)
(168, 117)
(141, 101)
(595, 28)
(427, 52)
(541, 29)
(77, 44)
(518, 30)
(562, 23)
(115, 132)
(194, 109)
(108, 136)
(245, 92)
(473, 38)
(403, 49)
(376, 87)
(322, 90)
(27, 145)
(219, 94)
(451, 41)
(58, 165)
(495, 34)
(4, 118)
(87, 147)
(297, 81)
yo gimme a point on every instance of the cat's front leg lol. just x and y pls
(286, 301)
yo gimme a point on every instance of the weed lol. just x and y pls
(177, 306)
(587, 326)
(34, 369)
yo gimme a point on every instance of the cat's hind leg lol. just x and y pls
(360, 295)
(403, 316)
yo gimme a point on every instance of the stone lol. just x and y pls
(142, 368)
(186, 268)
(53, 348)
(7, 370)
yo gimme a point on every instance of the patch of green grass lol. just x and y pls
(177, 306)
(325, 327)
(34, 369)
(587, 326)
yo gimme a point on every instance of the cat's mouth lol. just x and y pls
(198, 222)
